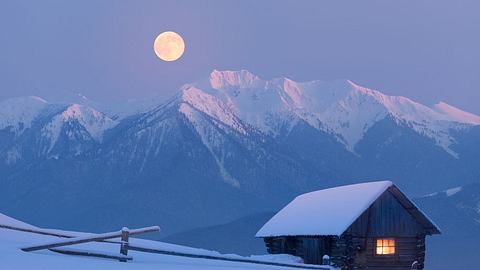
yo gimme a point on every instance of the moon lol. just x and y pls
(169, 46)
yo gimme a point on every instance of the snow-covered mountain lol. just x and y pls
(17, 114)
(239, 98)
(229, 145)
(341, 107)
(32, 128)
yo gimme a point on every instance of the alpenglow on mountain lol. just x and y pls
(230, 145)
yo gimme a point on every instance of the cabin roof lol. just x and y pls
(332, 211)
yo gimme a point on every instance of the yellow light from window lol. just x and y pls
(385, 246)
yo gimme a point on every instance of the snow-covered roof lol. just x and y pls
(331, 211)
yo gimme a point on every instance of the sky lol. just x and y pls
(426, 50)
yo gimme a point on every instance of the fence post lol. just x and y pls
(124, 243)
(326, 260)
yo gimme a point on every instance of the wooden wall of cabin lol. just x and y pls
(407, 251)
(310, 249)
(281, 245)
(351, 252)
(387, 218)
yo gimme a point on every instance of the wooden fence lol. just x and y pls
(125, 245)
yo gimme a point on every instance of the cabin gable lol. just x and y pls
(386, 217)
(387, 220)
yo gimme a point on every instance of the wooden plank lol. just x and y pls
(74, 241)
(92, 238)
(35, 230)
(91, 254)
(49, 232)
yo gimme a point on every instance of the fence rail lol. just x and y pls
(59, 247)
(92, 238)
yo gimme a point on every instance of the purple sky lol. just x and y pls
(427, 50)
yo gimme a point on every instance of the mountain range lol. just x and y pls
(224, 147)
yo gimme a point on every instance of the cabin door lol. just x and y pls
(315, 248)
(311, 250)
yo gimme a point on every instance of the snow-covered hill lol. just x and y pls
(14, 258)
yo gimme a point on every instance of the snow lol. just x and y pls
(456, 114)
(241, 100)
(453, 191)
(340, 107)
(281, 258)
(6, 220)
(334, 210)
(19, 113)
(449, 192)
(234, 79)
(14, 258)
(212, 140)
(211, 106)
(115, 109)
(95, 122)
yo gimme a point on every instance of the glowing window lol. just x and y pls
(385, 246)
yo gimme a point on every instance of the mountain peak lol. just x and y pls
(76, 110)
(93, 121)
(234, 79)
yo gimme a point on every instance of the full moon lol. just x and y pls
(169, 46)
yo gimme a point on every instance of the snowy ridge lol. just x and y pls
(456, 114)
(234, 79)
(341, 107)
(211, 139)
(93, 121)
(37, 116)
(19, 113)
(210, 105)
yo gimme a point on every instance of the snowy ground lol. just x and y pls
(12, 257)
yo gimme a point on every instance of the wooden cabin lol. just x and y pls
(362, 226)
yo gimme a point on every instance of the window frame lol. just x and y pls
(394, 246)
